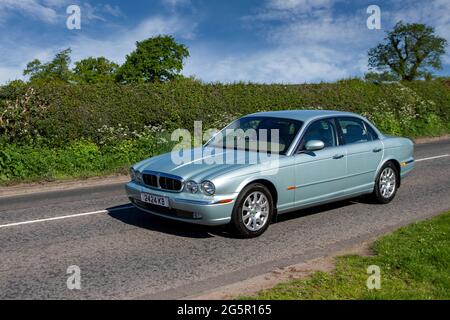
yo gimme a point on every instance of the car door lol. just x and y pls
(364, 153)
(320, 174)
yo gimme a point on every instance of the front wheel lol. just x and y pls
(386, 184)
(252, 212)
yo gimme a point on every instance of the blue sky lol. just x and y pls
(287, 41)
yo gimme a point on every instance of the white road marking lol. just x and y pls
(130, 206)
(432, 158)
(63, 217)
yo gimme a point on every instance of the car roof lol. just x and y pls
(303, 115)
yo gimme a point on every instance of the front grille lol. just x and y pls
(169, 184)
(161, 181)
(150, 180)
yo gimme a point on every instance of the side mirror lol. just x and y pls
(314, 145)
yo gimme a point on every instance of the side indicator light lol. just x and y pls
(292, 188)
(224, 201)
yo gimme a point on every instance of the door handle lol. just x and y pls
(338, 156)
(377, 150)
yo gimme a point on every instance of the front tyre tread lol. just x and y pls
(377, 195)
(237, 225)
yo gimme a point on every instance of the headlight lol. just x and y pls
(135, 176)
(208, 187)
(132, 174)
(191, 186)
(138, 176)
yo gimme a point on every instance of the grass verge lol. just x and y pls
(79, 159)
(414, 262)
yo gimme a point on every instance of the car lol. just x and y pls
(313, 157)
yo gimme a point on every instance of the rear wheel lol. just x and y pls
(386, 184)
(252, 212)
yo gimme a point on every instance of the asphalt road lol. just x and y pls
(123, 253)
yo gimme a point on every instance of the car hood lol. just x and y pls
(203, 163)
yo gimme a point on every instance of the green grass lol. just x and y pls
(414, 263)
(80, 159)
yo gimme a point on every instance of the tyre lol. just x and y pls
(252, 212)
(386, 184)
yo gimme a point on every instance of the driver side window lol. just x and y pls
(323, 130)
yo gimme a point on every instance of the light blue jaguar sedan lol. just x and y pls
(270, 163)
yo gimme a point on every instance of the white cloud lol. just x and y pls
(308, 43)
(99, 12)
(434, 13)
(300, 5)
(328, 29)
(57, 3)
(295, 64)
(53, 11)
(8, 74)
(123, 42)
(30, 8)
(13, 64)
(289, 10)
(113, 10)
(91, 13)
(309, 21)
(174, 3)
(114, 47)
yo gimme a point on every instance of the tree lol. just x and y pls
(157, 59)
(409, 51)
(57, 69)
(12, 89)
(95, 70)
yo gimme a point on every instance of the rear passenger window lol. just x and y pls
(354, 131)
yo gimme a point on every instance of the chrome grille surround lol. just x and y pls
(162, 181)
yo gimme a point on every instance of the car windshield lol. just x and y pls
(261, 134)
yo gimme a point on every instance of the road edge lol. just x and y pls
(218, 287)
(63, 185)
(251, 287)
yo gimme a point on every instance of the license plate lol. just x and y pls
(154, 199)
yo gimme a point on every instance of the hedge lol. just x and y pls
(59, 113)
(53, 131)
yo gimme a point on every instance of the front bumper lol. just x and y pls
(182, 206)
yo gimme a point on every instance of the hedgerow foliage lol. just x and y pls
(118, 121)
(59, 113)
